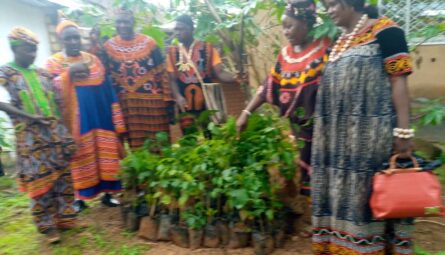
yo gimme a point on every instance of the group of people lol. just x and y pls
(346, 99)
(72, 117)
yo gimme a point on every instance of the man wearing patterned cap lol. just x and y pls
(43, 144)
(183, 61)
(92, 114)
(139, 77)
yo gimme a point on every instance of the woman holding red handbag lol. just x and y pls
(361, 118)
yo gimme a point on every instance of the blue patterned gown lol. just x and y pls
(354, 119)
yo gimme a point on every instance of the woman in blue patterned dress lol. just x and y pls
(361, 118)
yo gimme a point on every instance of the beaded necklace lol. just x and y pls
(337, 51)
(184, 65)
(292, 60)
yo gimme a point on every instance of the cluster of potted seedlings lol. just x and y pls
(212, 189)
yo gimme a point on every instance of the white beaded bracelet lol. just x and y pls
(403, 133)
(247, 112)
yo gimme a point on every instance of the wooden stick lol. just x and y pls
(153, 209)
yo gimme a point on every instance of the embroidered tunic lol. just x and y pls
(138, 73)
(205, 57)
(292, 86)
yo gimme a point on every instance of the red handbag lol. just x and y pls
(405, 193)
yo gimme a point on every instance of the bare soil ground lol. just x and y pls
(429, 235)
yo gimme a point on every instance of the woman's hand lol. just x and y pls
(242, 78)
(182, 103)
(43, 120)
(241, 122)
(403, 147)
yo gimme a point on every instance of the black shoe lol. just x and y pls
(79, 206)
(2, 173)
(109, 201)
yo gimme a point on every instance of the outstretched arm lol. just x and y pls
(256, 102)
(224, 75)
(11, 110)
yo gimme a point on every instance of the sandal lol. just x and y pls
(305, 234)
(52, 237)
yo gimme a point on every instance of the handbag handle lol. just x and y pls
(393, 161)
(393, 166)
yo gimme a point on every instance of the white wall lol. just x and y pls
(15, 13)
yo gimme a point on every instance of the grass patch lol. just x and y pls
(92, 239)
(129, 250)
(6, 183)
(420, 251)
(17, 234)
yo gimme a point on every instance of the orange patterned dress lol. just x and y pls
(93, 115)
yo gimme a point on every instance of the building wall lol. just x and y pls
(15, 13)
(428, 78)
(262, 56)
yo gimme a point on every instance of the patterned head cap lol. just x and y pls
(19, 35)
(64, 22)
(302, 10)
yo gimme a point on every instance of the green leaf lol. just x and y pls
(213, 39)
(187, 177)
(166, 200)
(156, 33)
(240, 198)
(270, 214)
(183, 199)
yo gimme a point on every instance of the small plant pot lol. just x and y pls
(124, 213)
(132, 221)
(179, 236)
(165, 224)
(195, 237)
(238, 239)
(279, 233)
(142, 210)
(263, 244)
(149, 228)
(224, 232)
(279, 238)
(211, 237)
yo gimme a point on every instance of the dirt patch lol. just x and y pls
(429, 236)
(292, 247)
(429, 232)
(110, 221)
